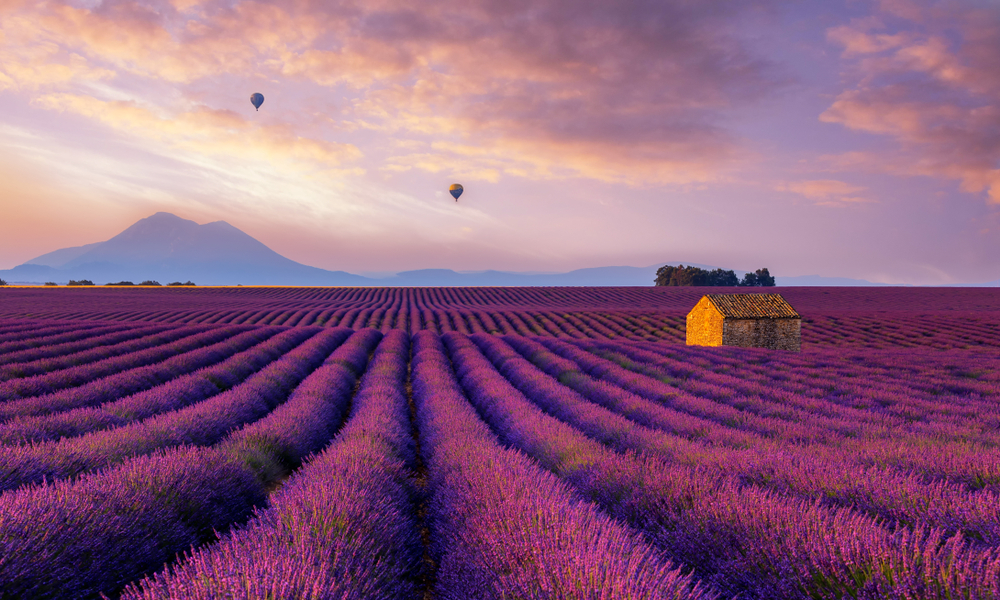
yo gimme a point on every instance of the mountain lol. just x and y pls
(623, 276)
(61, 257)
(167, 248)
(599, 276)
(818, 280)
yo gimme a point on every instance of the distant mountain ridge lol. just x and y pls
(166, 248)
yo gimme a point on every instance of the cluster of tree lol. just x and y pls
(124, 283)
(2, 282)
(759, 278)
(669, 275)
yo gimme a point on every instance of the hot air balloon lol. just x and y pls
(256, 99)
(456, 190)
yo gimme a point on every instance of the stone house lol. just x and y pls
(744, 320)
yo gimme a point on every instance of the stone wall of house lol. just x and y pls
(704, 325)
(777, 334)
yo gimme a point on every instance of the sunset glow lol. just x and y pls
(846, 139)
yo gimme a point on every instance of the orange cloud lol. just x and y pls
(29, 61)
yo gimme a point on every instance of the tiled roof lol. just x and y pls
(753, 306)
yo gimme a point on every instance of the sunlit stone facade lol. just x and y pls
(744, 320)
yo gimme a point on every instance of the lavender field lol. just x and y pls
(494, 443)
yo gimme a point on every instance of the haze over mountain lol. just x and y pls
(167, 248)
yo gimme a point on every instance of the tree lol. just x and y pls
(721, 278)
(669, 275)
(680, 275)
(2, 282)
(759, 278)
(80, 282)
(51, 283)
(765, 278)
(150, 282)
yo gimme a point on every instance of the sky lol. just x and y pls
(844, 138)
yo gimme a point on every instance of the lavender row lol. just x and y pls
(342, 527)
(837, 375)
(744, 540)
(315, 411)
(41, 334)
(637, 408)
(892, 496)
(922, 388)
(752, 415)
(201, 424)
(91, 536)
(660, 392)
(179, 358)
(958, 455)
(970, 465)
(231, 361)
(72, 354)
(833, 410)
(773, 424)
(10, 328)
(842, 365)
(613, 387)
(794, 420)
(595, 421)
(502, 528)
(78, 539)
(81, 340)
(886, 402)
(160, 347)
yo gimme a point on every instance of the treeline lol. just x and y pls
(148, 282)
(669, 275)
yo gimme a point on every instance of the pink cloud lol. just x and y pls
(935, 90)
(630, 91)
(207, 131)
(858, 37)
(827, 192)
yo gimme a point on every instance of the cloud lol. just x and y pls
(826, 192)
(29, 61)
(932, 86)
(630, 92)
(858, 39)
(207, 131)
(634, 91)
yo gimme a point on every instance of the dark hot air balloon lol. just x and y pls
(257, 99)
(456, 190)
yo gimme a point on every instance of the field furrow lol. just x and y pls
(743, 540)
